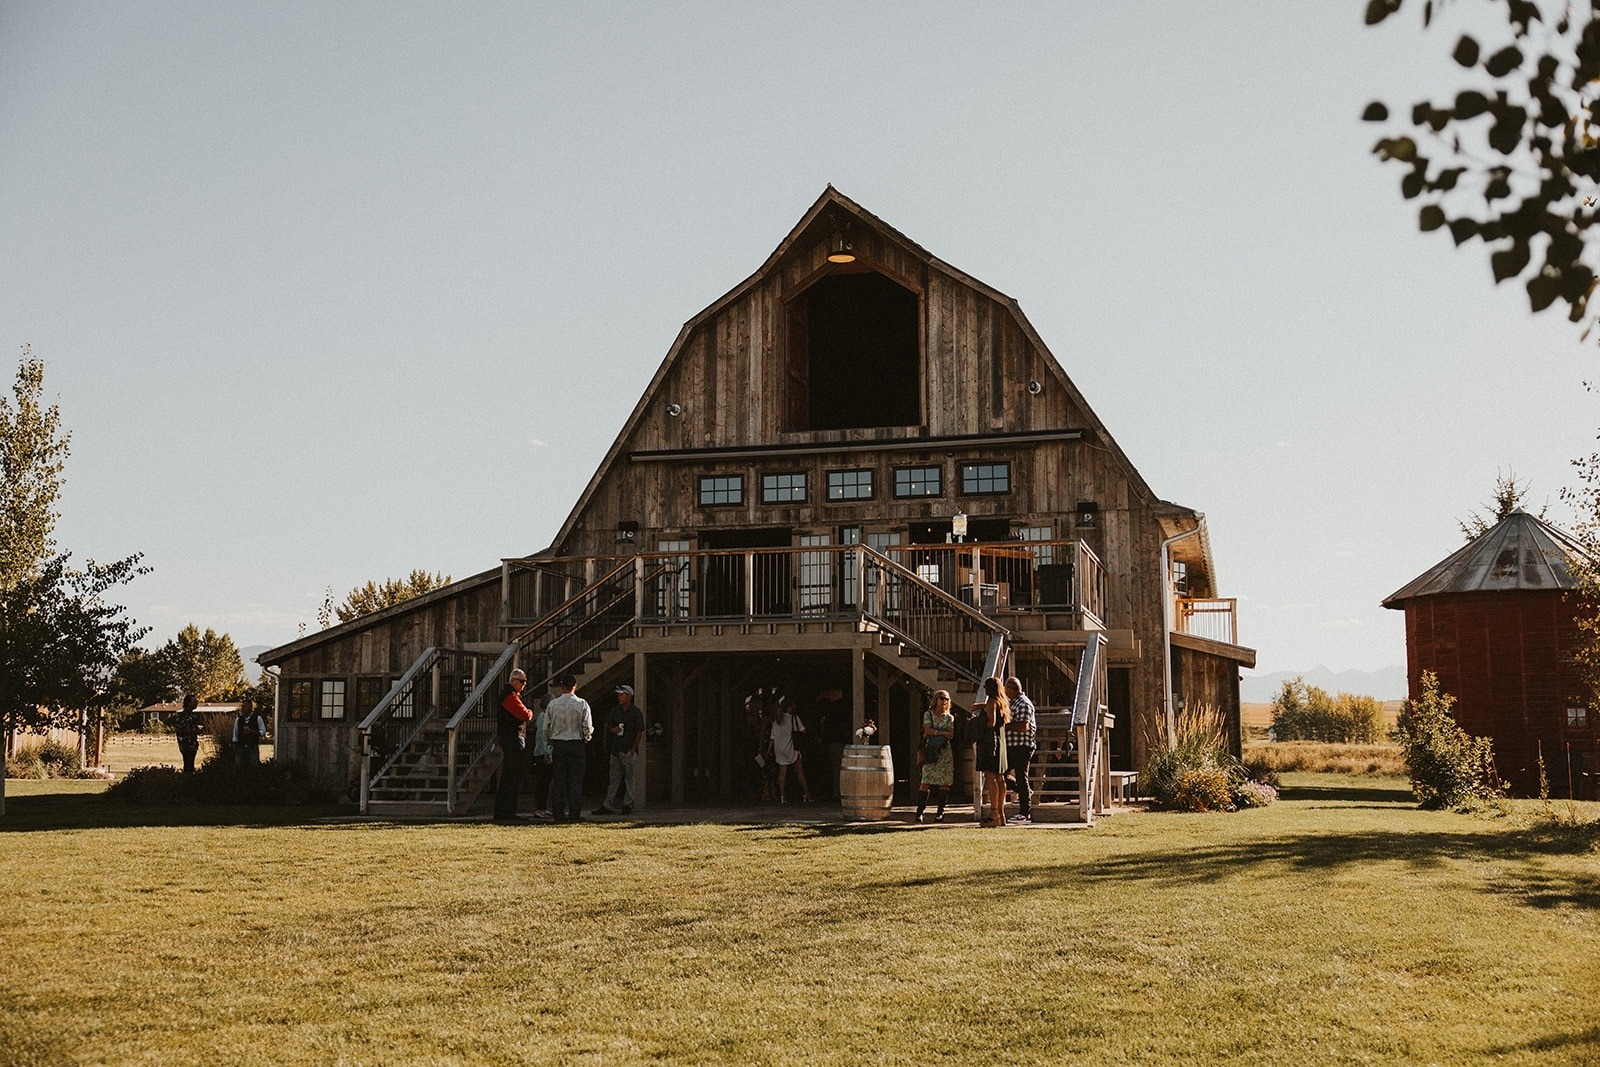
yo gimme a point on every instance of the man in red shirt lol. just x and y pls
(511, 729)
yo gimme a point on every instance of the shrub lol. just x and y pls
(1253, 794)
(1449, 767)
(221, 781)
(51, 759)
(1203, 789)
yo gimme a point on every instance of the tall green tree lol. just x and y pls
(60, 638)
(142, 678)
(33, 452)
(205, 664)
(1512, 157)
(365, 599)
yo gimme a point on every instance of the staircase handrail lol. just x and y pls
(1088, 713)
(975, 621)
(473, 707)
(381, 710)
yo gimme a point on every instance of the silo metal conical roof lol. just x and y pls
(1519, 552)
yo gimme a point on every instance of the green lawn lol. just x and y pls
(1340, 925)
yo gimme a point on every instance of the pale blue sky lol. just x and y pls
(329, 291)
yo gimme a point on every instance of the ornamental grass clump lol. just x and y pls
(1199, 773)
(1449, 768)
(51, 759)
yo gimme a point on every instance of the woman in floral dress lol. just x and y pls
(937, 773)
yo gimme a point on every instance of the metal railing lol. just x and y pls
(1090, 725)
(1215, 618)
(941, 627)
(584, 627)
(435, 680)
(814, 580)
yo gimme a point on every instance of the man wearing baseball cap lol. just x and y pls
(624, 731)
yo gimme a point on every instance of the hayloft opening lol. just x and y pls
(854, 355)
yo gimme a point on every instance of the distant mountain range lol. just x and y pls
(1388, 683)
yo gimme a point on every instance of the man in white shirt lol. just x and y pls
(570, 725)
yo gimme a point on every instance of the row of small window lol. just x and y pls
(793, 487)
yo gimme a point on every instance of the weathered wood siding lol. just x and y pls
(729, 377)
(380, 647)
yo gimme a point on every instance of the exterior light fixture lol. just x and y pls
(627, 532)
(674, 410)
(958, 526)
(1034, 387)
(1088, 514)
(842, 252)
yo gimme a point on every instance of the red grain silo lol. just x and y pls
(1496, 623)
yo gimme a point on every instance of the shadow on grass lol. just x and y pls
(1588, 1041)
(1316, 854)
(1377, 793)
(95, 811)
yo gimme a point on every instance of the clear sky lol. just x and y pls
(326, 292)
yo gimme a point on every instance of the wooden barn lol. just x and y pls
(1496, 623)
(857, 477)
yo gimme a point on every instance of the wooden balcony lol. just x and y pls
(1062, 578)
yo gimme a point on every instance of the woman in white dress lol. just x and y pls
(785, 725)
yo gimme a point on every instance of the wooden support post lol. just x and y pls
(641, 771)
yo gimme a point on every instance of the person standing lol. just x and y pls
(1021, 744)
(938, 738)
(786, 730)
(991, 714)
(187, 724)
(541, 761)
(249, 729)
(511, 720)
(571, 727)
(624, 733)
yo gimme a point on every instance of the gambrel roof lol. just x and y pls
(833, 205)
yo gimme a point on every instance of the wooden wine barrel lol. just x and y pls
(866, 781)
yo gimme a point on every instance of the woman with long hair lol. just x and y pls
(939, 770)
(993, 712)
(786, 728)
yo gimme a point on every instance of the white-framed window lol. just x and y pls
(1577, 718)
(1043, 554)
(330, 702)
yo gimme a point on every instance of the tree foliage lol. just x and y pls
(1512, 159)
(1449, 767)
(1508, 497)
(60, 639)
(205, 664)
(1302, 712)
(61, 642)
(33, 451)
(366, 599)
(1584, 499)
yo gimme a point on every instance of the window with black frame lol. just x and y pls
(918, 481)
(786, 488)
(985, 479)
(721, 490)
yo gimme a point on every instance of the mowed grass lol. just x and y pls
(1340, 925)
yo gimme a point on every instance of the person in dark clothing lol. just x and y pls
(511, 729)
(624, 731)
(187, 724)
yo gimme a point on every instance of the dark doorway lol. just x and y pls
(723, 586)
(1119, 701)
(854, 355)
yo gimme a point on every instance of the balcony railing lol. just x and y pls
(1214, 618)
(1060, 577)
